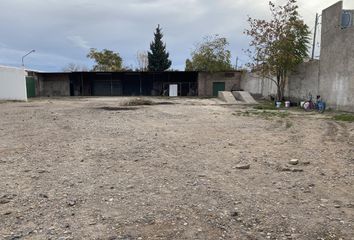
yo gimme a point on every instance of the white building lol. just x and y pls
(13, 83)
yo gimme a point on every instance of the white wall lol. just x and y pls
(12, 84)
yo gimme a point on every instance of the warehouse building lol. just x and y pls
(173, 83)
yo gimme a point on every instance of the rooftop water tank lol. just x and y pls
(347, 19)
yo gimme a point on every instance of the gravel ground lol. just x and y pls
(90, 168)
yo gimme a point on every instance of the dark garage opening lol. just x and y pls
(132, 83)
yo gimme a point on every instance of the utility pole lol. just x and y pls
(314, 38)
(236, 63)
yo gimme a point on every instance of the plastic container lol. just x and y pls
(277, 104)
(287, 104)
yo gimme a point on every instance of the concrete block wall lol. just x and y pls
(257, 85)
(206, 79)
(12, 84)
(303, 81)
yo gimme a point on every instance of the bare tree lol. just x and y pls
(142, 60)
(73, 67)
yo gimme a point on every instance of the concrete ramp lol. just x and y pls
(244, 97)
(227, 97)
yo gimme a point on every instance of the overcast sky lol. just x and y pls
(63, 31)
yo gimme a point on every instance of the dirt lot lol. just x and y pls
(92, 169)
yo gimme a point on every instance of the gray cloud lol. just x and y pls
(78, 41)
(63, 31)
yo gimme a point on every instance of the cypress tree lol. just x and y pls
(158, 56)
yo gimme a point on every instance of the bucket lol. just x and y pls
(302, 104)
(277, 104)
(287, 104)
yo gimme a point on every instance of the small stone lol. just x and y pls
(7, 213)
(185, 224)
(294, 161)
(71, 202)
(350, 205)
(234, 214)
(243, 166)
(283, 169)
(42, 195)
(6, 198)
(337, 206)
(4, 201)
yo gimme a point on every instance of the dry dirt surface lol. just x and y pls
(91, 168)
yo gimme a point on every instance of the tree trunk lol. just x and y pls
(279, 88)
(281, 81)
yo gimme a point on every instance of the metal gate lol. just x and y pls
(31, 87)
(107, 88)
(218, 86)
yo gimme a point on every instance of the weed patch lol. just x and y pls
(288, 124)
(344, 117)
(142, 102)
(263, 114)
(118, 108)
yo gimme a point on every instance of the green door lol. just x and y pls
(218, 86)
(31, 87)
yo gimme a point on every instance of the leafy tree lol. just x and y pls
(211, 55)
(106, 60)
(278, 45)
(158, 56)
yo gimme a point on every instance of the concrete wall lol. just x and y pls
(337, 60)
(12, 84)
(257, 85)
(206, 79)
(303, 81)
(51, 85)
